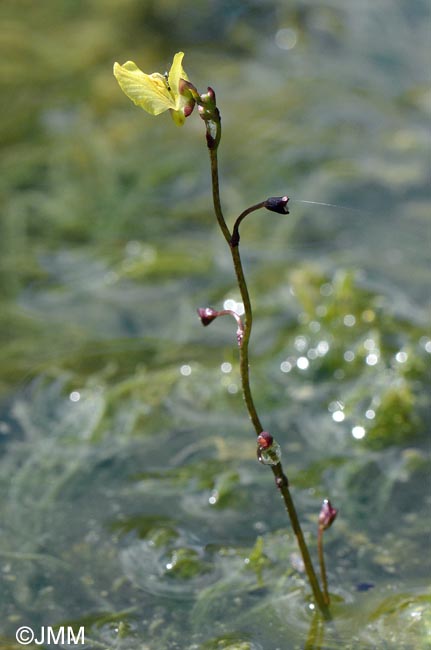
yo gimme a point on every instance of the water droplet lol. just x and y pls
(322, 348)
(285, 366)
(425, 342)
(303, 363)
(226, 367)
(368, 316)
(185, 370)
(401, 357)
(370, 414)
(358, 432)
(338, 416)
(349, 355)
(230, 304)
(371, 359)
(233, 305)
(301, 343)
(286, 39)
(272, 455)
(75, 396)
(349, 320)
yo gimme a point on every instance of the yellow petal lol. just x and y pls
(175, 74)
(150, 92)
(178, 117)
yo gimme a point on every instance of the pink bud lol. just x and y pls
(327, 515)
(208, 98)
(264, 440)
(207, 315)
(188, 108)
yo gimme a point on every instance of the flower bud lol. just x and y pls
(327, 515)
(209, 98)
(277, 204)
(209, 113)
(264, 440)
(268, 450)
(189, 94)
(207, 315)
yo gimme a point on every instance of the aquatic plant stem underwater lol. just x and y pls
(213, 126)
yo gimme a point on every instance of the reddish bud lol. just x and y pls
(186, 88)
(190, 94)
(188, 108)
(210, 114)
(264, 440)
(209, 97)
(277, 204)
(207, 315)
(327, 514)
(268, 450)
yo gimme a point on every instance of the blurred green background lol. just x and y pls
(131, 499)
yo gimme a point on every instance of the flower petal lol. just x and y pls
(175, 74)
(150, 92)
(178, 117)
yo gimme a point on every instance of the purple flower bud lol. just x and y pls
(207, 315)
(268, 450)
(210, 114)
(264, 440)
(190, 94)
(327, 515)
(277, 204)
(188, 108)
(186, 88)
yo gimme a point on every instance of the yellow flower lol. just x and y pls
(156, 93)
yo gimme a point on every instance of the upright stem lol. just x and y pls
(322, 564)
(280, 478)
(216, 194)
(243, 354)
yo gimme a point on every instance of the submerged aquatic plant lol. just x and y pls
(157, 93)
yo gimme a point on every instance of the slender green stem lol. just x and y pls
(243, 354)
(216, 189)
(280, 478)
(235, 232)
(322, 565)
